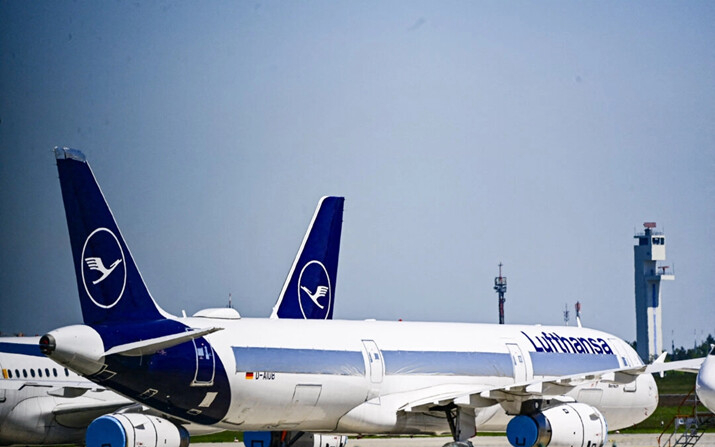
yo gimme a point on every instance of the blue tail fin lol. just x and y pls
(110, 286)
(309, 290)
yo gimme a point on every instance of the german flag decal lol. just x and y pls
(249, 376)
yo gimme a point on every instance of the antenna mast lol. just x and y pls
(566, 314)
(500, 287)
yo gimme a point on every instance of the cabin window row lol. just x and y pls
(39, 372)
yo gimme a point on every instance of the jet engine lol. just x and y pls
(282, 438)
(135, 430)
(565, 425)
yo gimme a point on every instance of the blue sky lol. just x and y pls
(462, 134)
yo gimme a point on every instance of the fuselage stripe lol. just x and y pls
(351, 363)
(454, 363)
(448, 363)
(299, 361)
(559, 364)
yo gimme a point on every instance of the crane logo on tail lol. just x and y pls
(104, 284)
(97, 264)
(321, 292)
(314, 293)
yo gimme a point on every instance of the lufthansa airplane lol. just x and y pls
(44, 403)
(545, 385)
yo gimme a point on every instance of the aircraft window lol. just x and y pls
(54, 371)
(67, 373)
(47, 372)
(9, 374)
(39, 372)
(17, 374)
(24, 373)
(32, 372)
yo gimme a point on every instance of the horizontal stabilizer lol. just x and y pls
(147, 347)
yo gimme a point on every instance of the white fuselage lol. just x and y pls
(357, 376)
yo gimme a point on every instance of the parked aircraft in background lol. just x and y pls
(42, 402)
(544, 385)
(705, 383)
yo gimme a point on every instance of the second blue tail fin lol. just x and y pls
(110, 286)
(309, 290)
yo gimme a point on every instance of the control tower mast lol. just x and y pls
(500, 287)
(648, 275)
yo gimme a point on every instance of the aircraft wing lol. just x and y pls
(511, 396)
(689, 365)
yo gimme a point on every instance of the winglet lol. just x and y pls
(309, 290)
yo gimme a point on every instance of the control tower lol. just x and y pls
(648, 274)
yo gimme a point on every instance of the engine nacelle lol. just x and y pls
(280, 438)
(565, 425)
(135, 430)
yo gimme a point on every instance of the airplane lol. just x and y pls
(43, 403)
(544, 385)
(705, 382)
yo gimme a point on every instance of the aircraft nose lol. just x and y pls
(47, 344)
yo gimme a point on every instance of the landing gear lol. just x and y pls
(461, 424)
(296, 436)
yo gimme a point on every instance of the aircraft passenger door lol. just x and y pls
(375, 370)
(375, 362)
(624, 362)
(622, 359)
(518, 362)
(205, 363)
